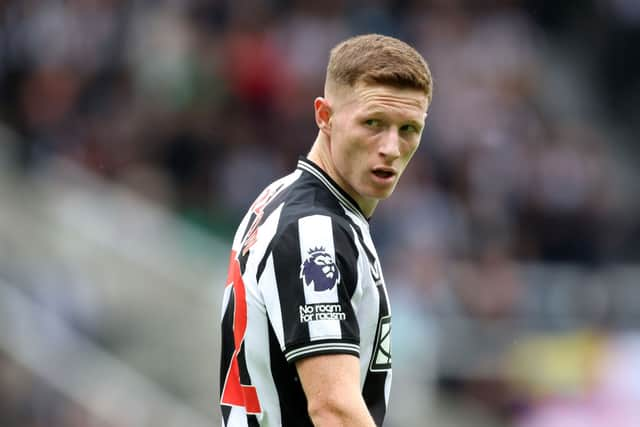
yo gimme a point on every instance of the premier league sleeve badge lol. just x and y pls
(319, 269)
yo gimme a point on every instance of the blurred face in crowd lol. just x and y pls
(372, 131)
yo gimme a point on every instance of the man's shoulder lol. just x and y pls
(297, 212)
(309, 197)
(296, 197)
(313, 220)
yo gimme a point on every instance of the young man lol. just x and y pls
(306, 320)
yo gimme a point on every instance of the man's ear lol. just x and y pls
(323, 114)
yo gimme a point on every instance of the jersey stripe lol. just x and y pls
(271, 296)
(316, 234)
(286, 263)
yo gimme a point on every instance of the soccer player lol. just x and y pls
(306, 323)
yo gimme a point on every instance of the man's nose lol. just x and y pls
(390, 145)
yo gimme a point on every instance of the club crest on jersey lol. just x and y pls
(320, 270)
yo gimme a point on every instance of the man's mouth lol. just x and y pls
(384, 173)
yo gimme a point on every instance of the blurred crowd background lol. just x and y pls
(510, 248)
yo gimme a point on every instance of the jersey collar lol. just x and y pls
(345, 199)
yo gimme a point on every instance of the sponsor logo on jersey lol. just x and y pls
(381, 360)
(320, 270)
(311, 312)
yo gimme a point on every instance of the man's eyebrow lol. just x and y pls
(379, 112)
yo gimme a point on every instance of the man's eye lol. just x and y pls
(409, 128)
(372, 122)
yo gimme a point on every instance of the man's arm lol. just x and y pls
(332, 386)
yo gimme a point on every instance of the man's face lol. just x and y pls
(374, 132)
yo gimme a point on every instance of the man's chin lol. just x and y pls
(381, 194)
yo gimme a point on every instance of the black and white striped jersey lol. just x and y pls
(304, 279)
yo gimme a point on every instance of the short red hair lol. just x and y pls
(378, 59)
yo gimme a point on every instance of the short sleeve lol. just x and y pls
(313, 270)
